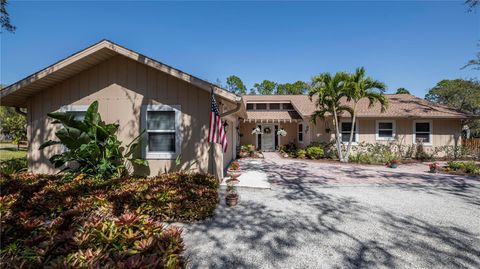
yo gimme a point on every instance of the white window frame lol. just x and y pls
(74, 108)
(71, 108)
(302, 132)
(414, 134)
(162, 155)
(377, 130)
(357, 136)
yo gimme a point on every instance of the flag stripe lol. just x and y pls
(216, 131)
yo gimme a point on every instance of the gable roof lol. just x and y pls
(400, 106)
(17, 93)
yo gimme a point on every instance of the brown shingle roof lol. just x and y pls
(400, 106)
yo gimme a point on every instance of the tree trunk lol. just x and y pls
(350, 140)
(337, 136)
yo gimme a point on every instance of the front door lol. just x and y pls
(268, 137)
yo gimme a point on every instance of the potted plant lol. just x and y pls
(231, 197)
(433, 167)
(393, 163)
(282, 132)
(234, 171)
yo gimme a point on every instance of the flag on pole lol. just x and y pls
(216, 132)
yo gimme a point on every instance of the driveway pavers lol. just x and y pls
(322, 215)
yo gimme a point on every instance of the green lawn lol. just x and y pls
(9, 151)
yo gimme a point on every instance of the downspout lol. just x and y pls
(236, 109)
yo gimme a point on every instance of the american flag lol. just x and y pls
(216, 132)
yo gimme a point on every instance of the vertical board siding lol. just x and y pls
(122, 86)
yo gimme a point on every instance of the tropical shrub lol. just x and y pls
(455, 165)
(12, 166)
(315, 152)
(472, 168)
(301, 153)
(467, 167)
(92, 147)
(116, 223)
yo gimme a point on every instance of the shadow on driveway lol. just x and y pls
(309, 220)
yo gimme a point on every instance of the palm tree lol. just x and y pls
(329, 90)
(358, 87)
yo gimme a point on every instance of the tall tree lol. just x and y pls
(463, 95)
(266, 87)
(235, 85)
(472, 4)
(359, 87)
(474, 63)
(5, 17)
(402, 91)
(329, 89)
(298, 87)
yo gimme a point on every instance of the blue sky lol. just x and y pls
(404, 44)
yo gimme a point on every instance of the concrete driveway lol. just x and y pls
(322, 215)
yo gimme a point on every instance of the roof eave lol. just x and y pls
(112, 47)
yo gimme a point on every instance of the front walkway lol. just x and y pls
(322, 215)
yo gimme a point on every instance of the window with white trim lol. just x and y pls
(78, 111)
(300, 132)
(345, 129)
(422, 132)
(385, 130)
(162, 127)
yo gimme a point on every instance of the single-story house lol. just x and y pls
(133, 90)
(407, 120)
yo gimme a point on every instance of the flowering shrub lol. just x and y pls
(234, 166)
(48, 222)
(373, 154)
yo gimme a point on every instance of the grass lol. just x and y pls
(9, 151)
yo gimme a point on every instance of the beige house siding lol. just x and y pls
(444, 131)
(122, 86)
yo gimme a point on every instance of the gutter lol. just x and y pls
(236, 109)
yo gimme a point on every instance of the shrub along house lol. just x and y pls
(173, 108)
(407, 120)
(135, 91)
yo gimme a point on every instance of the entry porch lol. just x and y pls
(268, 139)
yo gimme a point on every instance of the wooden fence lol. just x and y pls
(472, 144)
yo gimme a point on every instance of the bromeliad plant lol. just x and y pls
(92, 147)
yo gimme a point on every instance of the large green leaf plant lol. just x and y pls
(92, 146)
